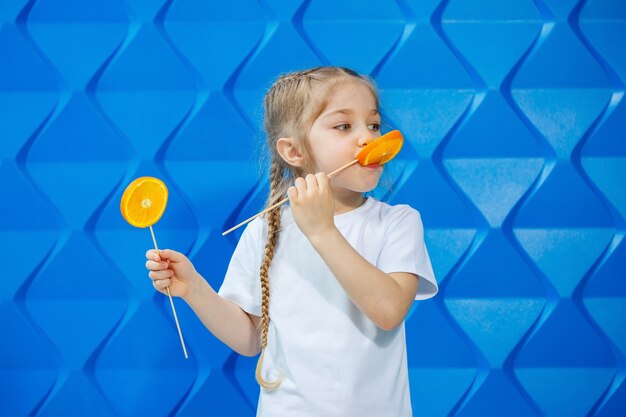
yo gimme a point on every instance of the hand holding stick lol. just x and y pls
(283, 201)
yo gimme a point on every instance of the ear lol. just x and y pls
(288, 150)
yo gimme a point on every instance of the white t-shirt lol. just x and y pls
(334, 360)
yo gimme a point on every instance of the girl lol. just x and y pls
(344, 268)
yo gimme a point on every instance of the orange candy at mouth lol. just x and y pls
(382, 149)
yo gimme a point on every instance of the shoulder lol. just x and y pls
(249, 245)
(256, 229)
(392, 214)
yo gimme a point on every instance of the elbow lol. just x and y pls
(390, 319)
(252, 350)
(389, 324)
(250, 353)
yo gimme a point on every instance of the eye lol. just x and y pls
(343, 127)
(375, 127)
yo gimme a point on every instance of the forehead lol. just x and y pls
(354, 96)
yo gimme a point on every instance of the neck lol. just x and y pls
(347, 202)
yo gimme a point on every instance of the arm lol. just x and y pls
(172, 270)
(226, 320)
(384, 298)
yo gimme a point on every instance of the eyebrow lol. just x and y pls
(349, 111)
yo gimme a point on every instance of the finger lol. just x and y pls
(322, 181)
(157, 266)
(162, 284)
(152, 254)
(156, 275)
(311, 183)
(292, 193)
(170, 255)
(300, 184)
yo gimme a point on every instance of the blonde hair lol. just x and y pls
(291, 106)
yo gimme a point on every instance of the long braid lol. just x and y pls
(273, 221)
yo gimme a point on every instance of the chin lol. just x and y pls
(367, 187)
(360, 183)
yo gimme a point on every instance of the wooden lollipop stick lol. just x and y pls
(287, 198)
(182, 342)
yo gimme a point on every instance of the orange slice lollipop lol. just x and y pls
(382, 149)
(143, 202)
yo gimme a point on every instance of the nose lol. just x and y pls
(364, 139)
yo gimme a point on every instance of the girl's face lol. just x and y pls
(349, 122)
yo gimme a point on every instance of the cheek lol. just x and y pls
(329, 152)
(332, 154)
(341, 155)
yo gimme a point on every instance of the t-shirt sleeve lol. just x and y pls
(242, 280)
(405, 250)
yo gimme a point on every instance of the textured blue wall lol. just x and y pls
(515, 120)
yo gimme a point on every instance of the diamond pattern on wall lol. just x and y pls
(515, 155)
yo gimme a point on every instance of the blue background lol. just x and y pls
(515, 154)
